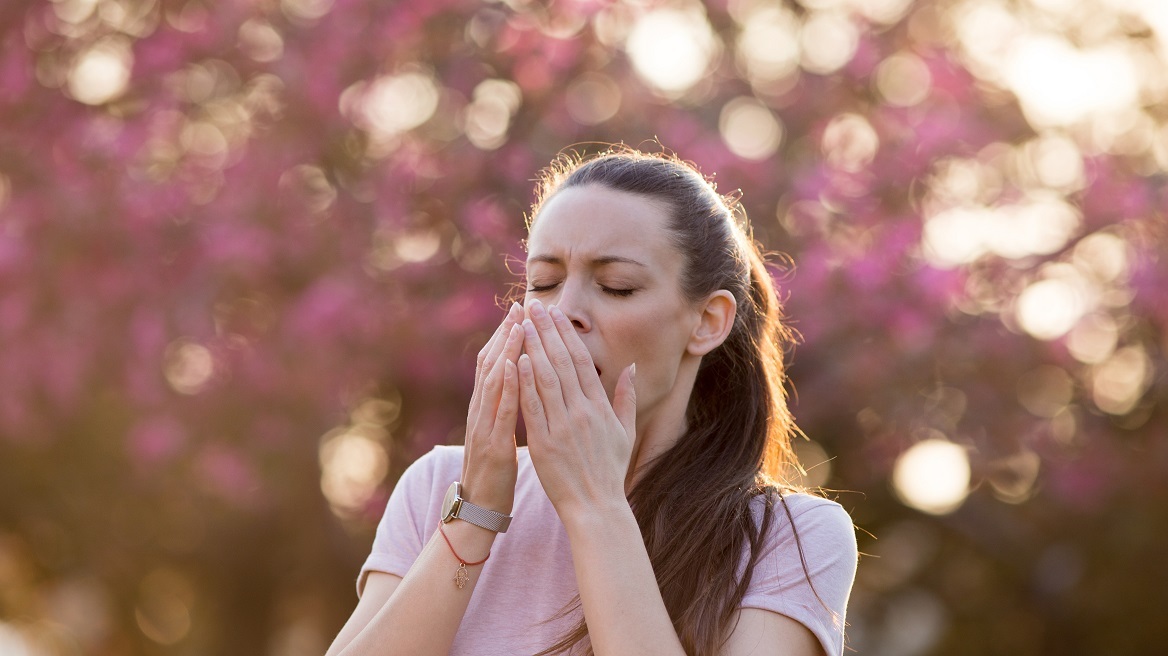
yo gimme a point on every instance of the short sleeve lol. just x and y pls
(400, 533)
(818, 596)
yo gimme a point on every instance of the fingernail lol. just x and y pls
(633, 373)
(529, 327)
(516, 311)
(537, 309)
(556, 313)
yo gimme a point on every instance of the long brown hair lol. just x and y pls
(693, 504)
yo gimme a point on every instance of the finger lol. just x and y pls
(624, 402)
(556, 352)
(534, 417)
(489, 353)
(547, 381)
(581, 359)
(508, 411)
(492, 388)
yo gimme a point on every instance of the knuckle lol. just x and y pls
(582, 358)
(561, 359)
(549, 379)
(578, 418)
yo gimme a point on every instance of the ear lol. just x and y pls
(715, 319)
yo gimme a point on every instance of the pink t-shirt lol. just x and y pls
(529, 576)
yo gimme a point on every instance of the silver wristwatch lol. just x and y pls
(455, 507)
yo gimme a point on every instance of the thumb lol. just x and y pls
(625, 400)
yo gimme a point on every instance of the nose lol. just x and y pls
(571, 300)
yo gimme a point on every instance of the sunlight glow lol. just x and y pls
(932, 476)
(1059, 84)
(352, 465)
(1040, 225)
(489, 114)
(1048, 308)
(768, 46)
(392, 104)
(829, 41)
(102, 73)
(749, 129)
(672, 49)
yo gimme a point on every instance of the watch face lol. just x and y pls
(448, 502)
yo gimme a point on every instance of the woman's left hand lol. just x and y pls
(580, 444)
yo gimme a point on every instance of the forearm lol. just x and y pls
(622, 603)
(424, 612)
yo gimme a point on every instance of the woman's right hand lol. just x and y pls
(490, 461)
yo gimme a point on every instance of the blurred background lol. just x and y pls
(249, 249)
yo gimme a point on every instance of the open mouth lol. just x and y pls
(597, 369)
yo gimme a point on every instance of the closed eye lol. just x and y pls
(617, 292)
(536, 289)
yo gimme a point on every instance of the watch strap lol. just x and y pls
(479, 516)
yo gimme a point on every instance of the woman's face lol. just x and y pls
(605, 258)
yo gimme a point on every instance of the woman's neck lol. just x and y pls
(660, 427)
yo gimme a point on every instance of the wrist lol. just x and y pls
(595, 515)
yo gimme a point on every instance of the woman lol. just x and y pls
(646, 361)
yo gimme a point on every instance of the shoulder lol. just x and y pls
(810, 517)
(806, 563)
(439, 464)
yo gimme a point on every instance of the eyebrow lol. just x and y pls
(596, 261)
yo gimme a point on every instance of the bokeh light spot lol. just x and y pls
(394, 104)
(903, 79)
(932, 476)
(260, 41)
(672, 48)
(1093, 339)
(1057, 162)
(593, 98)
(849, 142)
(488, 116)
(305, 10)
(768, 46)
(163, 612)
(1059, 84)
(101, 73)
(188, 366)
(749, 128)
(1047, 309)
(815, 461)
(1104, 255)
(1118, 382)
(352, 465)
(829, 41)
(1041, 224)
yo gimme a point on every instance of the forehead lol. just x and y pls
(595, 220)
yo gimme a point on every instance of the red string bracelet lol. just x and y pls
(461, 576)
